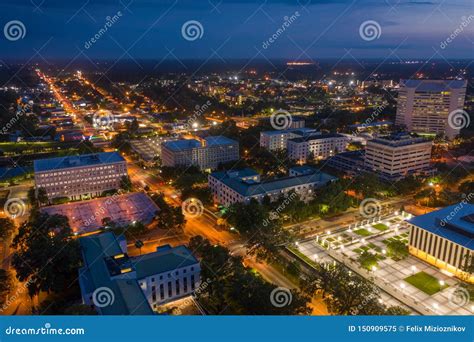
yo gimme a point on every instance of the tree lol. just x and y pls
(233, 289)
(168, 217)
(46, 254)
(367, 260)
(6, 285)
(7, 227)
(126, 183)
(346, 293)
(397, 249)
(42, 196)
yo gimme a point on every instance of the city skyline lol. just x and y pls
(240, 29)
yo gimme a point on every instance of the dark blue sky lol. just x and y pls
(238, 29)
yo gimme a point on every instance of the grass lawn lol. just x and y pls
(425, 282)
(362, 232)
(380, 226)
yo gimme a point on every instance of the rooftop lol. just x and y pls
(261, 188)
(434, 86)
(452, 223)
(317, 137)
(400, 139)
(59, 163)
(300, 131)
(180, 145)
(219, 140)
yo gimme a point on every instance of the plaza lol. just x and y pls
(418, 285)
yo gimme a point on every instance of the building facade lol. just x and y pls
(243, 185)
(397, 156)
(78, 176)
(137, 285)
(318, 147)
(206, 154)
(278, 139)
(424, 105)
(445, 239)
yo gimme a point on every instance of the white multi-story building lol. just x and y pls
(398, 156)
(445, 239)
(207, 154)
(318, 146)
(135, 285)
(75, 176)
(278, 139)
(424, 105)
(230, 187)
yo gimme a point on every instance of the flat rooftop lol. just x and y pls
(261, 188)
(453, 223)
(434, 86)
(401, 139)
(317, 137)
(87, 216)
(219, 140)
(59, 163)
(300, 131)
(181, 145)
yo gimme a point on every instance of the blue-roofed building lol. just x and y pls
(115, 283)
(235, 186)
(206, 154)
(424, 106)
(445, 238)
(278, 139)
(86, 175)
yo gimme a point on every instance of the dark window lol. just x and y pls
(178, 290)
(153, 294)
(185, 284)
(170, 289)
(162, 291)
(192, 282)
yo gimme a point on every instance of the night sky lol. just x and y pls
(148, 29)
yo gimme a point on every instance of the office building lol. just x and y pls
(445, 238)
(316, 147)
(205, 154)
(278, 139)
(399, 155)
(117, 284)
(77, 176)
(230, 187)
(424, 105)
